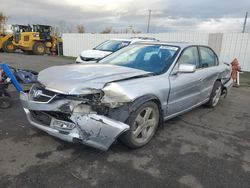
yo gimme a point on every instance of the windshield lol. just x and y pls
(112, 45)
(15, 29)
(19, 28)
(42, 29)
(150, 58)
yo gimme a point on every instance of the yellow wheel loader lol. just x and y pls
(38, 42)
(6, 43)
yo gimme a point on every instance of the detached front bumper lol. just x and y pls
(91, 129)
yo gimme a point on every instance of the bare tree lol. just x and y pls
(70, 28)
(130, 29)
(80, 29)
(107, 30)
(3, 19)
(65, 27)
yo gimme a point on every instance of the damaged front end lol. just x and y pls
(74, 118)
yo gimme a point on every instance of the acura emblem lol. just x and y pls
(37, 93)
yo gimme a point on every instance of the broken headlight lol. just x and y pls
(92, 98)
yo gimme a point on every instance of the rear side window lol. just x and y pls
(208, 58)
(190, 56)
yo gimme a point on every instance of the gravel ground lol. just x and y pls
(203, 148)
(33, 62)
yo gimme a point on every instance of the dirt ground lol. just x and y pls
(203, 148)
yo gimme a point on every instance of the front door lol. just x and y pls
(185, 87)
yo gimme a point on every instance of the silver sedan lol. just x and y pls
(127, 94)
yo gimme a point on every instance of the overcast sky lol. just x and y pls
(167, 15)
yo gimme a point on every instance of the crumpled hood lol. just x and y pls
(84, 79)
(97, 54)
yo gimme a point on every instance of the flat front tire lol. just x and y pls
(143, 125)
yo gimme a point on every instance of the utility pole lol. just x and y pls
(245, 23)
(149, 16)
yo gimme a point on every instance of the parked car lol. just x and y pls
(106, 48)
(127, 94)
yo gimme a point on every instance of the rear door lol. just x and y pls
(209, 70)
(185, 87)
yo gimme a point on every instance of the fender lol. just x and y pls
(122, 113)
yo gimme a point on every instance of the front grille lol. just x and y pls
(41, 99)
(44, 117)
(40, 94)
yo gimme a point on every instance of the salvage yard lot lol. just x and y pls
(203, 148)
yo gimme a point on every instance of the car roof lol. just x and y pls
(180, 44)
(128, 40)
(135, 39)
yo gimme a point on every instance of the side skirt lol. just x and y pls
(186, 110)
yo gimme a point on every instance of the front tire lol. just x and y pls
(215, 95)
(143, 125)
(9, 47)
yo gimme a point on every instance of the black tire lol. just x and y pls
(39, 48)
(5, 102)
(9, 47)
(215, 95)
(128, 138)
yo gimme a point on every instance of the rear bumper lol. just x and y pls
(227, 86)
(91, 129)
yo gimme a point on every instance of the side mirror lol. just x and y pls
(186, 68)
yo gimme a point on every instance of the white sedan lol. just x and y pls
(106, 48)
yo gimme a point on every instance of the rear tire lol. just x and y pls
(39, 48)
(215, 95)
(9, 47)
(143, 125)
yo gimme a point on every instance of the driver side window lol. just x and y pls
(190, 56)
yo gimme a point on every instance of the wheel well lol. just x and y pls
(123, 112)
(158, 103)
(223, 90)
(145, 98)
(219, 80)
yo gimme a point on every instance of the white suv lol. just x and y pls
(106, 48)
